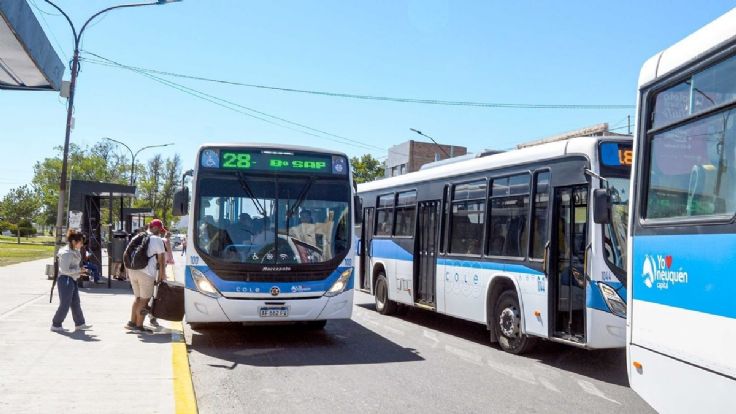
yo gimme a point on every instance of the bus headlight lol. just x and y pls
(203, 284)
(340, 284)
(613, 300)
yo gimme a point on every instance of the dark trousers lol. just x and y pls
(68, 297)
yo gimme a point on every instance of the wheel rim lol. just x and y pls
(509, 322)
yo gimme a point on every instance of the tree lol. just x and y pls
(96, 163)
(157, 185)
(366, 168)
(20, 205)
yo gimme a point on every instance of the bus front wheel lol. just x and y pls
(384, 306)
(507, 323)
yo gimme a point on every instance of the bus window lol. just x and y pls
(509, 211)
(384, 215)
(406, 206)
(539, 218)
(689, 172)
(468, 215)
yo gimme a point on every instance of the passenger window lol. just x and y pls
(468, 218)
(406, 205)
(539, 216)
(691, 169)
(509, 211)
(384, 215)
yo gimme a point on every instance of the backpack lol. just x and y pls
(136, 254)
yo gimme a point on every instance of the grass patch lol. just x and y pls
(11, 253)
(26, 240)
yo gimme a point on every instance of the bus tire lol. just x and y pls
(384, 305)
(507, 323)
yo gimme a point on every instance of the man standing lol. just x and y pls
(142, 280)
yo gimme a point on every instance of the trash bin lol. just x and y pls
(118, 245)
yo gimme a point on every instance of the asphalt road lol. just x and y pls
(418, 363)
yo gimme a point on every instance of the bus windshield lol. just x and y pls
(273, 220)
(615, 232)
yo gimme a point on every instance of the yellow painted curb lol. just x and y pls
(184, 400)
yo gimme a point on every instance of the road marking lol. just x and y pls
(592, 390)
(513, 372)
(432, 337)
(547, 384)
(464, 355)
(184, 399)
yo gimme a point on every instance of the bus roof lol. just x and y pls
(720, 31)
(261, 145)
(579, 145)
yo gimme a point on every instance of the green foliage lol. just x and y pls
(366, 168)
(96, 163)
(157, 185)
(19, 204)
(6, 225)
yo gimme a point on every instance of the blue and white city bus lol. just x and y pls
(682, 294)
(506, 240)
(270, 235)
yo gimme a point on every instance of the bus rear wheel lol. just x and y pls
(507, 323)
(384, 306)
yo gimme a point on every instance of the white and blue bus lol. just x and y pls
(682, 294)
(270, 235)
(506, 240)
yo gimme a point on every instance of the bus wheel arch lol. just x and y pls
(498, 286)
(507, 324)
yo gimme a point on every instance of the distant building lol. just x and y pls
(409, 156)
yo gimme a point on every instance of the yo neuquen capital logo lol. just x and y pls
(659, 271)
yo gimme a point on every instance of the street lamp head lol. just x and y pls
(415, 130)
(167, 1)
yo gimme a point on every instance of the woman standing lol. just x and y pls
(69, 271)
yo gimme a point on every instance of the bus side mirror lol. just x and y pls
(358, 207)
(601, 206)
(181, 202)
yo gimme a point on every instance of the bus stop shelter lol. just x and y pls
(27, 59)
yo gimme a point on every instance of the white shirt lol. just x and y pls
(155, 247)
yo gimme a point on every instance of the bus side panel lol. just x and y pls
(464, 286)
(683, 299)
(534, 297)
(398, 265)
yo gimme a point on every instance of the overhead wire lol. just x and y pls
(381, 98)
(233, 106)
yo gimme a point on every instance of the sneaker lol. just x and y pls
(154, 323)
(57, 329)
(83, 327)
(130, 326)
(143, 330)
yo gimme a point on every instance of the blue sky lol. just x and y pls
(537, 52)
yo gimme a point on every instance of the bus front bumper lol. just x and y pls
(202, 308)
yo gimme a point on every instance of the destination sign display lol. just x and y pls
(273, 161)
(616, 154)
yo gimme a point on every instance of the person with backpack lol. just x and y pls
(145, 260)
(69, 272)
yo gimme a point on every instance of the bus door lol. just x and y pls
(365, 249)
(425, 258)
(567, 273)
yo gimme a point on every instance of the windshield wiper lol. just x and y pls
(249, 191)
(300, 198)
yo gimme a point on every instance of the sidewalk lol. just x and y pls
(106, 369)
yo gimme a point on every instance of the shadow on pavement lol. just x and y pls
(80, 336)
(342, 342)
(606, 365)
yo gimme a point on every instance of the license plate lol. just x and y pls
(273, 311)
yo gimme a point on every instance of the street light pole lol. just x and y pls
(135, 154)
(70, 108)
(435, 142)
(70, 102)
